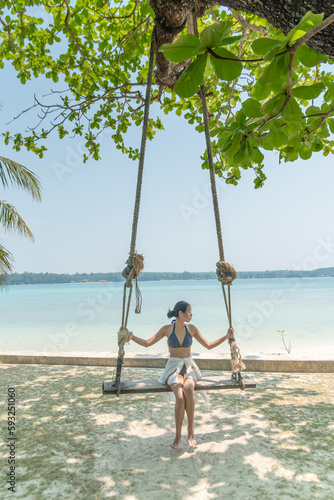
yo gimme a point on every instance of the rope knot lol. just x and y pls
(124, 336)
(135, 264)
(225, 272)
(236, 359)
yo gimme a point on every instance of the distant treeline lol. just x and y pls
(50, 278)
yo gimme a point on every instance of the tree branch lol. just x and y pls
(247, 25)
(70, 32)
(9, 36)
(288, 95)
(216, 56)
(322, 121)
(284, 15)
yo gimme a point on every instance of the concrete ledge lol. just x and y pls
(252, 365)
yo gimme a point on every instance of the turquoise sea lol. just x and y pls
(86, 317)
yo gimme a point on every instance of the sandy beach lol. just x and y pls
(272, 442)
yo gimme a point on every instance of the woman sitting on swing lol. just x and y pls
(181, 371)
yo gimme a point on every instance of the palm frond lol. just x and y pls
(17, 175)
(12, 221)
(6, 260)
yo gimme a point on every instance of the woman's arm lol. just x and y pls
(215, 343)
(153, 340)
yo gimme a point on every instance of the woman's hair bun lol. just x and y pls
(179, 306)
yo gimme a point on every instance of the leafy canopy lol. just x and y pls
(265, 90)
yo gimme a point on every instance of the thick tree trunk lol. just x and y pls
(283, 14)
(171, 14)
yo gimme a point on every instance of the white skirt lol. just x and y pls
(172, 370)
(174, 367)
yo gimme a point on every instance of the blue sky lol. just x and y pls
(84, 222)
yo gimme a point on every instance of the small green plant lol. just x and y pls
(287, 348)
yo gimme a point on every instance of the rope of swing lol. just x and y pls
(225, 272)
(135, 262)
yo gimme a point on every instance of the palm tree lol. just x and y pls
(14, 174)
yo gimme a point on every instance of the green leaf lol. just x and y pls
(231, 146)
(309, 57)
(226, 69)
(232, 39)
(317, 145)
(276, 135)
(290, 154)
(257, 156)
(182, 49)
(244, 153)
(144, 8)
(266, 142)
(295, 139)
(313, 122)
(274, 70)
(313, 110)
(306, 23)
(330, 90)
(263, 45)
(273, 105)
(279, 47)
(331, 125)
(193, 77)
(211, 36)
(226, 27)
(269, 74)
(323, 131)
(260, 92)
(258, 182)
(252, 108)
(308, 91)
(292, 111)
(283, 63)
(223, 138)
(305, 152)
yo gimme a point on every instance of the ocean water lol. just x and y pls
(86, 317)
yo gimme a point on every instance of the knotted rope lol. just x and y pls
(225, 272)
(135, 262)
(124, 336)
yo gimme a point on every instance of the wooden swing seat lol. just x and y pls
(217, 382)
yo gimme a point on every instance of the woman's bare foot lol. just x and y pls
(176, 443)
(191, 438)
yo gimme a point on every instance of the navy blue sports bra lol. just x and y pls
(173, 341)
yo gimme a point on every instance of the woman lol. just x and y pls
(181, 371)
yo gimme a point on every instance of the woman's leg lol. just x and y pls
(188, 389)
(179, 410)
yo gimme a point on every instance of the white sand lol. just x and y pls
(273, 442)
